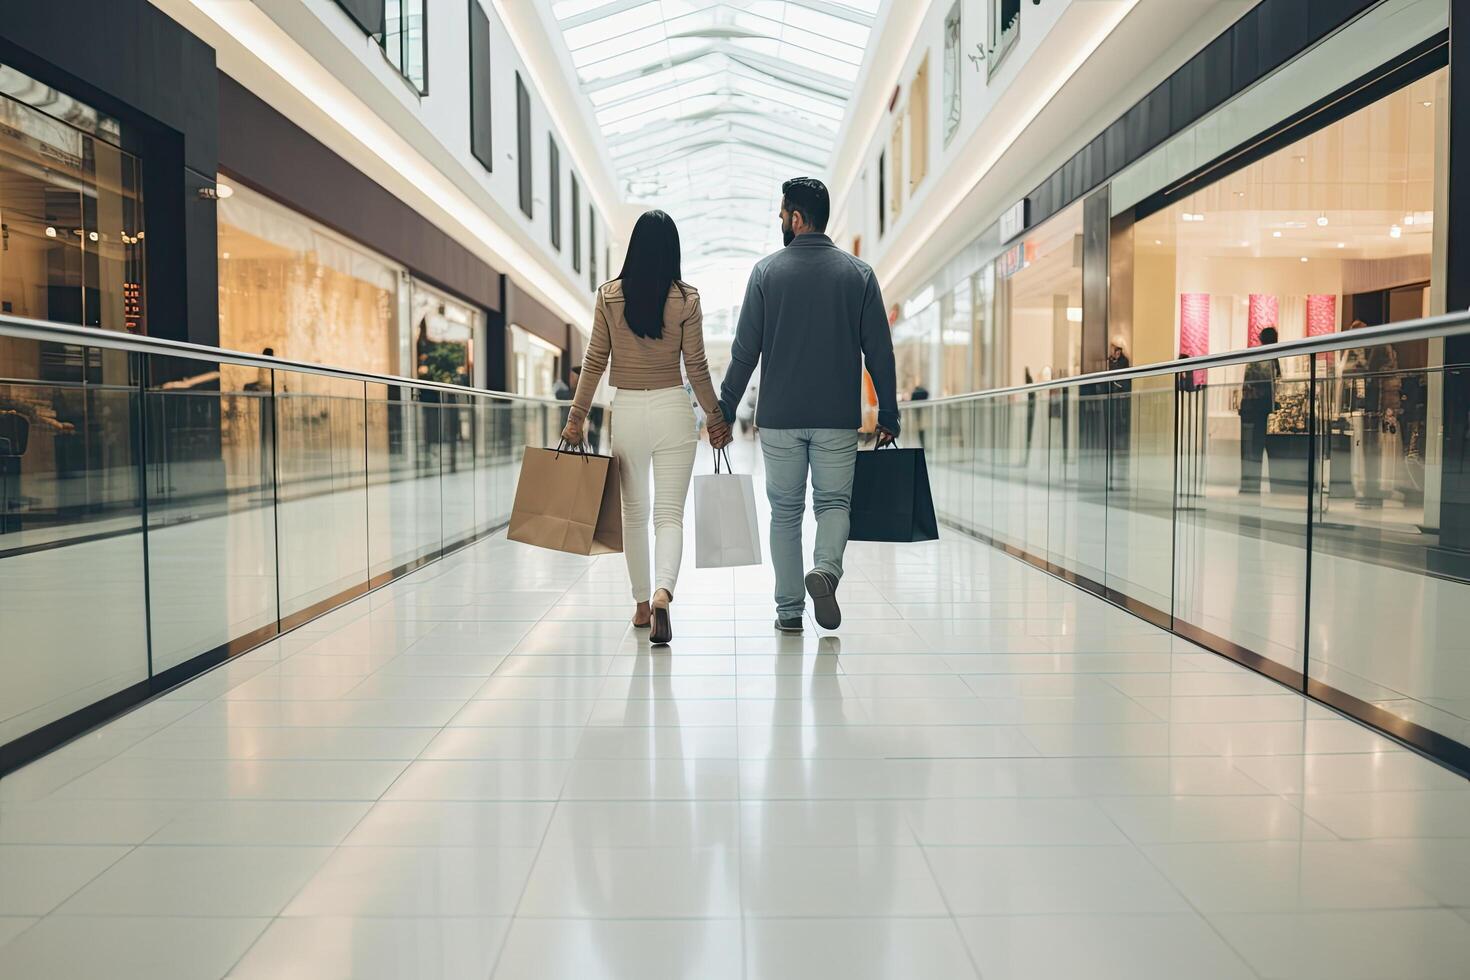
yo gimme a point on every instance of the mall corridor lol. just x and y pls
(1155, 654)
(481, 770)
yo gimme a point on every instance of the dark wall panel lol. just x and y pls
(367, 14)
(1282, 30)
(1245, 51)
(523, 146)
(269, 152)
(525, 311)
(481, 140)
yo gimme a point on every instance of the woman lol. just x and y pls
(646, 320)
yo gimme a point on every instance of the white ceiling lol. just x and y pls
(706, 106)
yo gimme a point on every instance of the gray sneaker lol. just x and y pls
(823, 590)
(792, 625)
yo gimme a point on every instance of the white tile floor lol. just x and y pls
(482, 772)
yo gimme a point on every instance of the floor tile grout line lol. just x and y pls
(1199, 912)
(944, 897)
(745, 964)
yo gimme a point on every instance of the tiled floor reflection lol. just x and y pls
(482, 772)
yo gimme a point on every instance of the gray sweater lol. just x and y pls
(812, 316)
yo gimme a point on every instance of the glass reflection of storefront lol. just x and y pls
(292, 286)
(71, 214)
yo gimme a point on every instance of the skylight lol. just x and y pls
(708, 105)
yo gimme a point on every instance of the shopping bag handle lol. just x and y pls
(725, 454)
(580, 449)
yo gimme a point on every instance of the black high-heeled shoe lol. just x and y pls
(662, 631)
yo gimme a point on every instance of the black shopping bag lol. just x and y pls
(891, 499)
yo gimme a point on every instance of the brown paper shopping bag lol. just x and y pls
(568, 501)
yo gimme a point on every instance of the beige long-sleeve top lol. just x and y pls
(645, 363)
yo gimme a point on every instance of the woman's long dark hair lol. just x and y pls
(651, 268)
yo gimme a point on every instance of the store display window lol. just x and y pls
(916, 347)
(290, 285)
(536, 363)
(446, 334)
(1038, 301)
(72, 240)
(1333, 231)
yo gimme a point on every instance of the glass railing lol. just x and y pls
(164, 507)
(1303, 509)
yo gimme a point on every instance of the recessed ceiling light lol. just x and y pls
(1342, 244)
(50, 232)
(1426, 104)
(1157, 242)
(1304, 258)
(1275, 234)
(1322, 221)
(1395, 232)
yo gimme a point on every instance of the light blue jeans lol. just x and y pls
(830, 456)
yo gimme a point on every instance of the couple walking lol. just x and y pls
(812, 316)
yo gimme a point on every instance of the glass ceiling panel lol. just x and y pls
(699, 101)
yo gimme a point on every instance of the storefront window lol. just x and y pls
(1332, 232)
(71, 224)
(956, 342)
(982, 310)
(290, 285)
(1039, 301)
(535, 363)
(916, 347)
(445, 337)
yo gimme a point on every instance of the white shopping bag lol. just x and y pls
(726, 533)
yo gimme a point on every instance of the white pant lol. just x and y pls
(654, 429)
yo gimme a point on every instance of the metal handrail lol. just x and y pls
(1428, 328)
(65, 333)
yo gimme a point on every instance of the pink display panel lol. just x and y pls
(1321, 314)
(1265, 312)
(1194, 328)
(1321, 318)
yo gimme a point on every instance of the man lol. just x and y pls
(812, 315)
(1257, 402)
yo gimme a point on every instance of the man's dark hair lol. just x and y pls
(1269, 335)
(808, 196)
